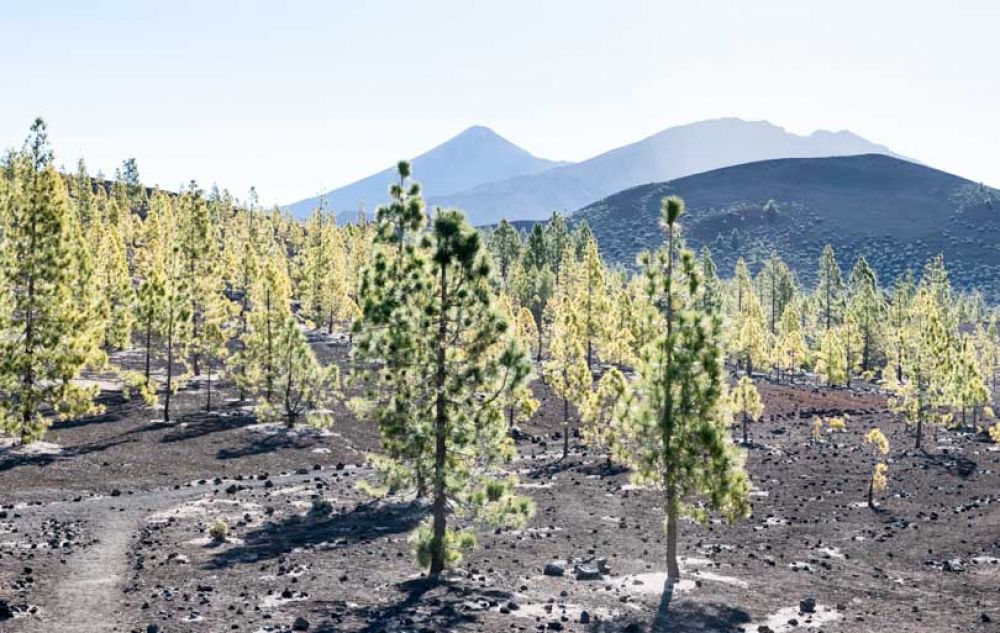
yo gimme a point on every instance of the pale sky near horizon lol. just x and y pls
(299, 97)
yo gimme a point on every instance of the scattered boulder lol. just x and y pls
(300, 624)
(586, 571)
(555, 568)
(7, 613)
(807, 605)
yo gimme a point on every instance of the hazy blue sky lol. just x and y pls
(299, 97)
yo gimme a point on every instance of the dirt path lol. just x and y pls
(87, 597)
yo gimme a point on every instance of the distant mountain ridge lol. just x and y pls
(473, 157)
(490, 178)
(897, 213)
(673, 153)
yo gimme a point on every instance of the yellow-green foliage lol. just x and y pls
(601, 427)
(878, 441)
(880, 477)
(817, 428)
(837, 424)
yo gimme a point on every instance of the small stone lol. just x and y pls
(808, 605)
(300, 624)
(584, 617)
(153, 628)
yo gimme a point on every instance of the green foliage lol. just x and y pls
(675, 416)
(438, 358)
(49, 322)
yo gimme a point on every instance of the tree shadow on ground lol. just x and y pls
(270, 442)
(603, 468)
(421, 605)
(687, 617)
(204, 423)
(365, 523)
(953, 464)
(116, 407)
(551, 468)
(10, 459)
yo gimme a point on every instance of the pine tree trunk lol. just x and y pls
(565, 428)
(208, 394)
(746, 440)
(439, 527)
(673, 569)
(290, 414)
(170, 367)
(920, 429)
(269, 367)
(149, 346)
(871, 493)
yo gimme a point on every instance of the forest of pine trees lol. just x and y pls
(656, 367)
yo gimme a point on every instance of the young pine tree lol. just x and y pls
(303, 389)
(600, 426)
(921, 395)
(566, 370)
(42, 347)
(829, 290)
(879, 477)
(439, 358)
(745, 402)
(270, 308)
(675, 416)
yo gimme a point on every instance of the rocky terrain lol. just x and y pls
(108, 526)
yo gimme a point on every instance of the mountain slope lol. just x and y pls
(897, 213)
(475, 156)
(673, 153)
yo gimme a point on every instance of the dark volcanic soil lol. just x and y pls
(112, 533)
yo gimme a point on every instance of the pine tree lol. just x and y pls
(829, 290)
(389, 354)
(878, 480)
(791, 345)
(675, 417)
(831, 360)
(270, 301)
(592, 299)
(536, 251)
(302, 388)
(42, 347)
(566, 370)
(505, 244)
(752, 340)
(969, 390)
(712, 295)
(921, 394)
(449, 334)
(747, 404)
(897, 321)
(776, 287)
(114, 285)
(867, 310)
(601, 427)
(557, 241)
(177, 326)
